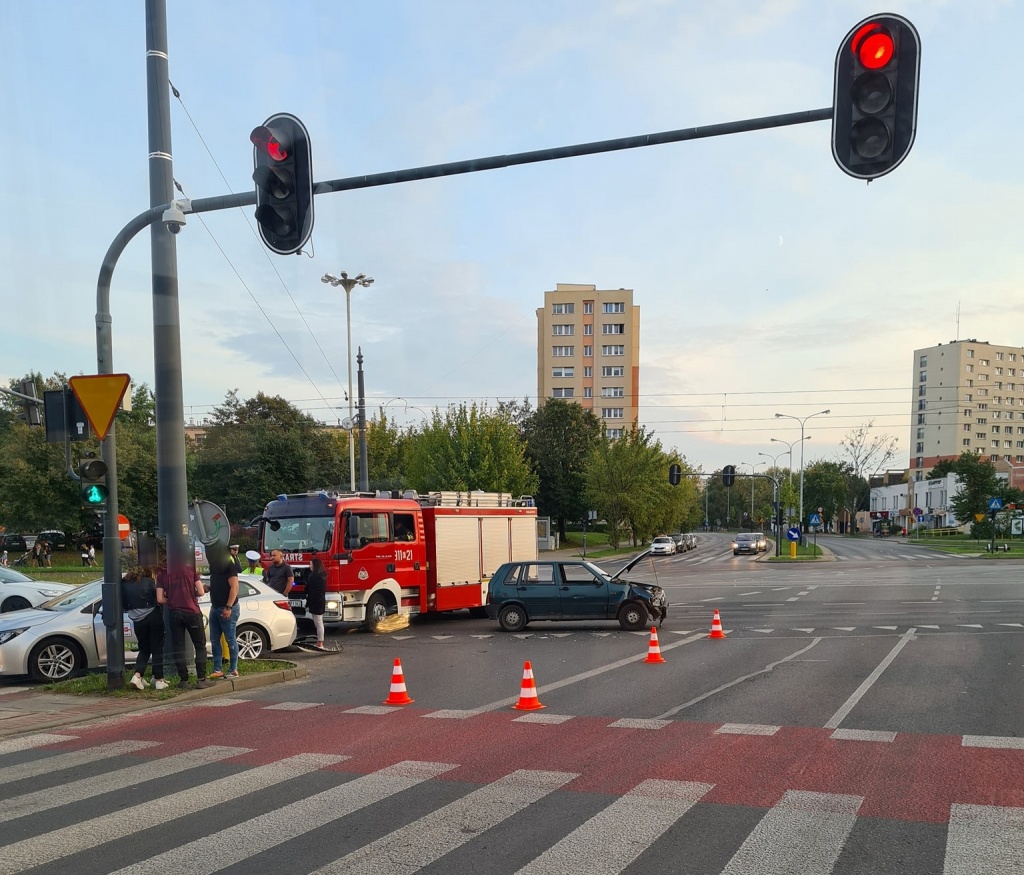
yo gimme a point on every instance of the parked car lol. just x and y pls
(265, 619)
(521, 592)
(57, 539)
(19, 591)
(15, 545)
(680, 541)
(745, 542)
(691, 540)
(663, 545)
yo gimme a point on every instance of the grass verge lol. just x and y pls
(95, 683)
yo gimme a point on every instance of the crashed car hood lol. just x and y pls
(647, 591)
(27, 617)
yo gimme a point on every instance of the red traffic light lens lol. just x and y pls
(263, 138)
(874, 46)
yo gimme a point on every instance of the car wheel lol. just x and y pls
(512, 618)
(633, 617)
(377, 608)
(55, 660)
(253, 642)
(15, 603)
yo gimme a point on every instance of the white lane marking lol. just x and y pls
(805, 592)
(292, 706)
(441, 637)
(371, 709)
(426, 840)
(481, 636)
(863, 735)
(936, 628)
(71, 759)
(746, 729)
(994, 741)
(639, 723)
(401, 637)
(808, 631)
(551, 719)
(984, 840)
(86, 834)
(28, 742)
(251, 837)
(844, 628)
(451, 714)
(756, 592)
(763, 631)
(803, 834)
(793, 599)
(116, 781)
(970, 626)
(739, 680)
(869, 681)
(1016, 625)
(886, 628)
(717, 598)
(613, 838)
(587, 675)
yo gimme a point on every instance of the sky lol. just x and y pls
(768, 281)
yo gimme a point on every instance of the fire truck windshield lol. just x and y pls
(300, 534)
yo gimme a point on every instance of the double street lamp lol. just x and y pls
(753, 465)
(348, 283)
(802, 421)
(790, 445)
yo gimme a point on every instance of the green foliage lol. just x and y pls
(978, 483)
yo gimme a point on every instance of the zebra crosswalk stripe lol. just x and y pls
(28, 742)
(45, 765)
(241, 842)
(422, 842)
(802, 835)
(87, 834)
(88, 788)
(613, 838)
(984, 840)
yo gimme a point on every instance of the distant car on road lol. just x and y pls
(13, 544)
(663, 545)
(691, 540)
(521, 592)
(680, 541)
(57, 539)
(745, 542)
(762, 542)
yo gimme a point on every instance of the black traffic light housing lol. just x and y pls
(874, 108)
(675, 473)
(728, 475)
(283, 173)
(31, 407)
(93, 472)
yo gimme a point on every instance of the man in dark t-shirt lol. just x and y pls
(279, 574)
(181, 591)
(224, 618)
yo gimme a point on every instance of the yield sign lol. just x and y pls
(100, 396)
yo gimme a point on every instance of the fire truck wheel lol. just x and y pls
(512, 618)
(377, 608)
(633, 617)
(252, 642)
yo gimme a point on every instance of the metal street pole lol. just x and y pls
(790, 445)
(752, 466)
(802, 422)
(348, 283)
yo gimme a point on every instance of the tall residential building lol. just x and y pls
(968, 397)
(588, 349)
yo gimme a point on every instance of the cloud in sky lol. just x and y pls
(767, 280)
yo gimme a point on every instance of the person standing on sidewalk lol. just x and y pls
(316, 597)
(279, 574)
(181, 590)
(224, 617)
(140, 599)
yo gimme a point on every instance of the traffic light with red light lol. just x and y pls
(95, 493)
(874, 108)
(283, 173)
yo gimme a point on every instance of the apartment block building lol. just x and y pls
(588, 351)
(968, 397)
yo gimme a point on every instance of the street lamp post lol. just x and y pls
(790, 445)
(348, 283)
(802, 422)
(753, 465)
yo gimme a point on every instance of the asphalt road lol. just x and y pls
(862, 715)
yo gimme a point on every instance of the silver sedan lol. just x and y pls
(18, 591)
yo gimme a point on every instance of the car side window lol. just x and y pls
(245, 590)
(578, 574)
(537, 573)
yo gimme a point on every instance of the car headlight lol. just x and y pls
(50, 593)
(9, 634)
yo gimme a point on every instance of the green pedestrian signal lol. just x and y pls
(94, 483)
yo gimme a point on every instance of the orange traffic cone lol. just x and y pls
(716, 626)
(528, 700)
(398, 694)
(654, 649)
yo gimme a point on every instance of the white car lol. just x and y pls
(265, 618)
(19, 591)
(663, 545)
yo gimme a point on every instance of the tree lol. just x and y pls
(832, 486)
(868, 455)
(942, 468)
(978, 483)
(470, 448)
(559, 439)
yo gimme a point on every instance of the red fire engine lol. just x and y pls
(409, 555)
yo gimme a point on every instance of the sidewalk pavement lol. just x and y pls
(26, 710)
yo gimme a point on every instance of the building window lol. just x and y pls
(613, 433)
(982, 420)
(921, 390)
(588, 392)
(559, 392)
(563, 309)
(613, 328)
(922, 405)
(561, 373)
(613, 392)
(920, 461)
(920, 434)
(970, 369)
(968, 411)
(999, 356)
(967, 426)
(613, 371)
(922, 377)
(613, 350)
(980, 435)
(924, 361)
(588, 371)
(966, 442)
(563, 351)
(970, 353)
(920, 419)
(558, 330)
(614, 307)
(588, 307)
(588, 351)
(588, 329)
(612, 413)
(995, 429)
(920, 448)
(999, 372)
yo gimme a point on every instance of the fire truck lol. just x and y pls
(386, 554)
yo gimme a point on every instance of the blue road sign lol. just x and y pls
(995, 503)
(815, 519)
(793, 534)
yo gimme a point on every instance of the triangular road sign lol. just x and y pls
(100, 396)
